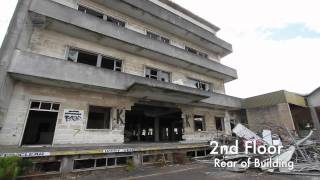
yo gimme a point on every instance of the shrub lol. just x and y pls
(13, 166)
(130, 165)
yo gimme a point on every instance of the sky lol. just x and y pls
(276, 43)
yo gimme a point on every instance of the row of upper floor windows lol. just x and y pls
(150, 34)
(115, 64)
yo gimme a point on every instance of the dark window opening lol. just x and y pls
(101, 162)
(90, 11)
(82, 57)
(198, 84)
(41, 167)
(111, 162)
(83, 164)
(40, 127)
(99, 118)
(45, 106)
(111, 63)
(87, 58)
(199, 123)
(219, 123)
(35, 105)
(147, 158)
(196, 52)
(191, 154)
(121, 161)
(191, 50)
(55, 107)
(157, 74)
(201, 153)
(158, 37)
(116, 22)
(208, 151)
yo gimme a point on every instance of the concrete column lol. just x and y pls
(227, 126)
(137, 160)
(156, 129)
(66, 165)
(315, 118)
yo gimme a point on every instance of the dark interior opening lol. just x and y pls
(87, 58)
(146, 123)
(302, 119)
(40, 127)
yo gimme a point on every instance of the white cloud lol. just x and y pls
(265, 65)
(6, 10)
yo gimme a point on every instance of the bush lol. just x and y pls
(13, 166)
(130, 165)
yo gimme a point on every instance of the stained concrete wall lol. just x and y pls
(276, 118)
(75, 133)
(54, 44)
(210, 132)
(137, 25)
(66, 133)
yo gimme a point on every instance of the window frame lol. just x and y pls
(99, 129)
(159, 37)
(203, 124)
(159, 71)
(221, 121)
(200, 82)
(91, 9)
(196, 52)
(115, 60)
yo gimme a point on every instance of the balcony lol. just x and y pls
(40, 69)
(74, 23)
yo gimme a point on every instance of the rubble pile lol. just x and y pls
(299, 157)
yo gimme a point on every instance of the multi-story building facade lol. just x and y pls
(101, 72)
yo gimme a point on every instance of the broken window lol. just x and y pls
(157, 74)
(219, 123)
(198, 84)
(41, 167)
(99, 117)
(83, 164)
(158, 37)
(90, 11)
(199, 123)
(116, 22)
(111, 162)
(111, 63)
(196, 52)
(121, 161)
(83, 57)
(101, 162)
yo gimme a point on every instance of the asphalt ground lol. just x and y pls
(191, 171)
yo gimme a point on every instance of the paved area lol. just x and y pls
(188, 172)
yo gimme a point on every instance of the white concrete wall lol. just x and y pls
(53, 44)
(66, 133)
(137, 25)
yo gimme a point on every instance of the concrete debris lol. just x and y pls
(303, 155)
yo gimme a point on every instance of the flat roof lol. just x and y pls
(274, 98)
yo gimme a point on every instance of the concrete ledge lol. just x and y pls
(87, 150)
(125, 39)
(168, 21)
(58, 72)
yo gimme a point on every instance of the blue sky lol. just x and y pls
(275, 43)
(290, 31)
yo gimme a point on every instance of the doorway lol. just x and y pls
(41, 123)
(146, 123)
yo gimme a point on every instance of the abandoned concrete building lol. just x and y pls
(283, 111)
(91, 83)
